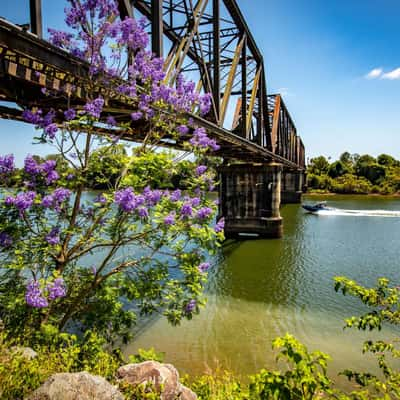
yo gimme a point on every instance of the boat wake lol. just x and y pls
(360, 213)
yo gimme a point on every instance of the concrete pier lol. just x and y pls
(250, 197)
(292, 186)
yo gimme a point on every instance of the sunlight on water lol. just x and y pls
(359, 213)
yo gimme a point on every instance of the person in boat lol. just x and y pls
(315, 207)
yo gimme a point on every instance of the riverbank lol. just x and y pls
(346, 195)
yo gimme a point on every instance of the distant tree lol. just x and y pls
(386, 160)
(105, 166)
(367, 167)
(346, 158)
(318, 165)
(338, 168)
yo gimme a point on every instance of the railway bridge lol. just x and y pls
(210, 42)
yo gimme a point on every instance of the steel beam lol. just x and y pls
(216, 57)
(231, 78)
(157, 26)
(35, 7)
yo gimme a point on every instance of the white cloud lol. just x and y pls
(392, 75)
(284, 91)
(375, 73)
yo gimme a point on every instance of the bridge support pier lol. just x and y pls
(292, 186)
(250, 197)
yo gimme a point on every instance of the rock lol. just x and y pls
(187, 394)
(25, 352)
(76, 386)
(157, 374)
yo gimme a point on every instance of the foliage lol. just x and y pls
(354, 174)
(80, 264)
(20, 375)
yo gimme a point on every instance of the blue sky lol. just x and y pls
(318, 54)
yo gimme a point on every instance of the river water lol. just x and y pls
(260, 289)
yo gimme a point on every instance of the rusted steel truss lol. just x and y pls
(207, 40)
(284, 138)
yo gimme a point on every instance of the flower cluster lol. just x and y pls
(46, 170)
(202, 141)
(34, 296)
(7, 164)
(203, 267)
(56, 289)
(56, 199)
(191, 306)
(39, 297)
(45, 122)
(220, 225)
(53, 237)
(94, 108)
(127, 200)
(22, 201)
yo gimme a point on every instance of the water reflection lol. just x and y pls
(260, 289)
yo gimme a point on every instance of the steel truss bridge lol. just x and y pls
(207, 40)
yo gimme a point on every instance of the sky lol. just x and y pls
(336, 63)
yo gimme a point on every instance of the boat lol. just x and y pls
(313, 208)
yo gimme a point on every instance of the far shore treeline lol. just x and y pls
(105, 166)
(354, 174)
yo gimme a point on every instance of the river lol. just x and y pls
(260, 289)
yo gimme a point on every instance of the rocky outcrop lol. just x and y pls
(76, 386)
(164, 378)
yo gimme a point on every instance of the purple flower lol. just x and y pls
(57, 289)
(195, 201)
(69, 114)
(186, 210)
(34, 296)
(136, 115)
(204, 212)
(51, 177)
(200, 170)
(5, 240)
(111, 121)
(7, 164)
(182, 129)
(175, 195)
(143, 212)
(203, 267)
(56, 199)
(51, 130)
(61, 194)
(127, 200)
(191, 306)
(219, 227)
(70, 177)
(95, 107)
(32, 117)
(202, 141)
(53, 237)
(152, 196)
(22, 201)
(31, 166)
(169, 219)
(47, 201)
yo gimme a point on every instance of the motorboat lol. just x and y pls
(313, 208)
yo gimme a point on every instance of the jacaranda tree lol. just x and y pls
(74, 261)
